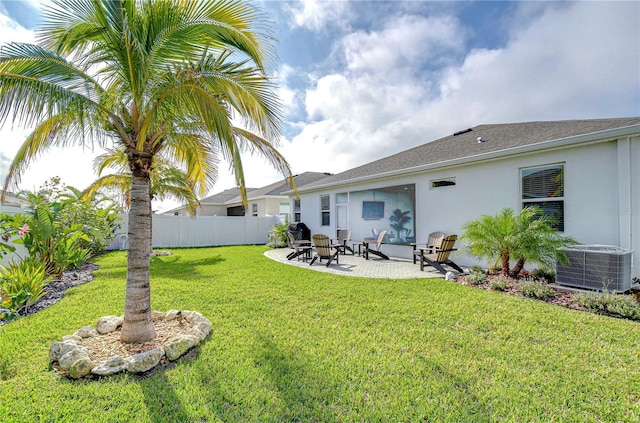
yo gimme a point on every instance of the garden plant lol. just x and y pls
(526, 237)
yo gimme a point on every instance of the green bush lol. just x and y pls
(64, 234)
(546, 275)
(536, 289)
(278, 235)
(499, 283)
(610, 302)
(476, 276)
(526, 237)
(22, 284)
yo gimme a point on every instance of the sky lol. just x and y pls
(361, 80)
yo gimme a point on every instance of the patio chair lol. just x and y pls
(433, 240)
(324, 250)
(301, 248)
(344, 236)
(439, 256)
(367, 243)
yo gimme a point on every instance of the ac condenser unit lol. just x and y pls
(596, 267)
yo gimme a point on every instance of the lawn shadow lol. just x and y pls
(161, 400)
(467, 399)
(304, 394)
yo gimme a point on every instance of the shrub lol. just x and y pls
(64, 234)
(476, 276)
(500, 283)
(22, 284)
(536, 289)
(546, 275)
(525, 237)
(610, 302)
(278, 235)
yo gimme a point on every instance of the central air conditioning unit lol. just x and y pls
(596, 267)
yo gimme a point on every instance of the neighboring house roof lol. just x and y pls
(11, 199)
(224, 196)
(281, 187)
(218, 199)
(464, 146)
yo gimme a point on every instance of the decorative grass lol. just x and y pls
(292, 344)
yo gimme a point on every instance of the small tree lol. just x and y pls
(526, 237)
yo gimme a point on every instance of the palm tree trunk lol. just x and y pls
(505, 264)
(138, 325)
(517, 268)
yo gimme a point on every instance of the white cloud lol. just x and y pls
(318, 15)
(580, 60)
(406, 42)
(12, 31)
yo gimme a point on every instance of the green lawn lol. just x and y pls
(290, 344)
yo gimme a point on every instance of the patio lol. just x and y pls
(353, 265)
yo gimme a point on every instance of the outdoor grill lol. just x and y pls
(300, 231)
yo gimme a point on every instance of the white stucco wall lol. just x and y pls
(602, 196)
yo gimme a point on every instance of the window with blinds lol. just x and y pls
(543, 187)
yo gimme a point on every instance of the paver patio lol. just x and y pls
(353, 265)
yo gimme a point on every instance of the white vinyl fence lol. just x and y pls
(202, 231)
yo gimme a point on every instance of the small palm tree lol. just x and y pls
(155, 79)
(526, 237)
(398, 219)
(166, 181)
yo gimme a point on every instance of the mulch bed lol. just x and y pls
(562, 297)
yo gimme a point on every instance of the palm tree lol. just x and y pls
(526, 237)
(166, 181)
(153, 78)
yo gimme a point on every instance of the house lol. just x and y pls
(213, 205)
(583, 172)
(13, 204)
(270, 200)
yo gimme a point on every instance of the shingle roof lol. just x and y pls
(496, 137)
(282, 186)
(224, 196)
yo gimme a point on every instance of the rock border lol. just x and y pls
(73, 359)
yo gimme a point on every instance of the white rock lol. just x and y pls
(180, 344)
(171, 314)
(73, 338)
(81, 367)
(145, 360)
(86, 332)
(58, 349)
(112, 366)
(157, 315)
(108, 324)
(67, 360)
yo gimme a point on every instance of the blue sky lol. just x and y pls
(361, 80)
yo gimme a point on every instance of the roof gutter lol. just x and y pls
(592, 137)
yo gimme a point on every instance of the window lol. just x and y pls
(445, 182)
(283, 211)
(543, 187)
(254, 209)
(296, 210)
(325, 207)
